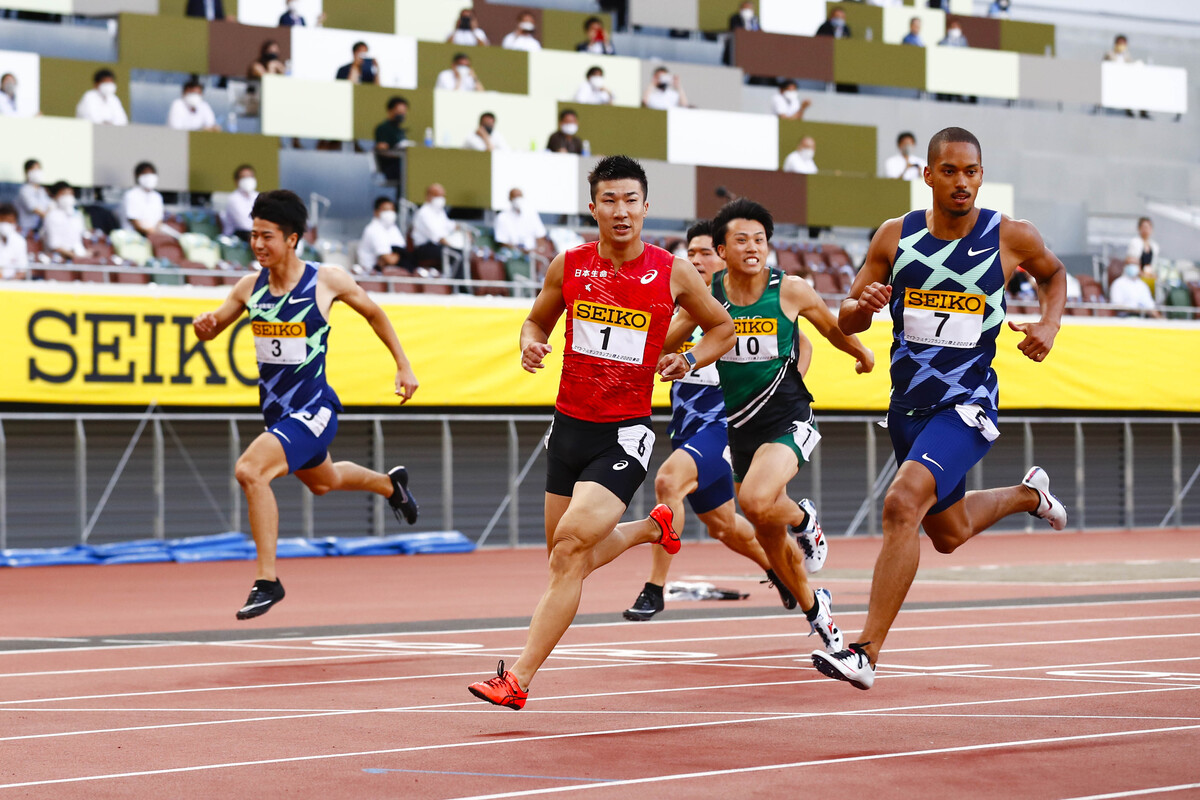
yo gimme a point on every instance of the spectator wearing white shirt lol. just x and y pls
(787, 104)
(100, 104)
(954, 36)
(467, 32)
(592, 91)
(518, 230)
(32, 199)
(1143, 250)
(460, 77)
(802, 159)
(665, 91)
(596, 39)
(14, 256)
(906, 164)
(486, 138)
(191, 112)
(236, 220)
(142, 206)
(1130, 291)
(523, 38)
(382, 243)
(431, 226)
(62, 230)
(8, 95)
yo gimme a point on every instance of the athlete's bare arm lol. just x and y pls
(209, 325)
(1022, 245)
(548, 306)
(681, 328)
(871, 291)
(798, 299)
(340, 286)
(804, 353)
(695, 298)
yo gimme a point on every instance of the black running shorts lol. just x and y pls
(612, 454)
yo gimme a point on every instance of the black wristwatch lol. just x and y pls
(690, 358)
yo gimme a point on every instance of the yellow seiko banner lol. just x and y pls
(136, 346)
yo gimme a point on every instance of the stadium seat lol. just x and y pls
(130, 246)
(1116, 265)
(202, 221)
(1093, 294)
(235, 251)
(167, 247)
(788, 260)
(488, 269)
(400, 272)
(199, 248)
(825, 283)
(131, 277)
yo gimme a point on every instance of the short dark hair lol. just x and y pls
(616, 168)
(284, 208)
(8, 210)
(486, 114)
(193, 83)
(906, 135)
(58, 187)
(1144, 219)
(1121, 38)
(103, 74)
(357, 45)
(701, 227)
(951, 136)
(661, 68)
(143, 166)
(587, 23)
(242, 168)
(595, 71)
(395, 101)
(31, 163)
(742, 208)
(379, 201)
(787, 82)
(563, 114)
(460, 57)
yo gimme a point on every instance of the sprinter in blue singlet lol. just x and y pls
(288, 303)
(941, 275)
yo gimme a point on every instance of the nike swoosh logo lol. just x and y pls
(973, 252)
(694, 450)
(292, 300)
(257, 605)
(931, 461)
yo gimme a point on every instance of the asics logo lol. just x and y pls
(649, 276)
(620, 465)
(926, 457)
(974, 252)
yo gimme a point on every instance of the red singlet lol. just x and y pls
(617, 322)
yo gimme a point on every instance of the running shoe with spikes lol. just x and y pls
(851, 665)
(403, 504)
(822, 622)
(648, 603)
(668, 538)
(1049, 508)
(502, 690)
(811, 538)
(263, 595)
(785, 596)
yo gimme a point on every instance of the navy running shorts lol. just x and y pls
(612, 454)
(942, 443)
(306, 437)
(714, 475)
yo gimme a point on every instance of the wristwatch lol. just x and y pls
(690, 358)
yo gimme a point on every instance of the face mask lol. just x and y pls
(193, 100)
(398, 119)
(463, 70)
(10, 89)
(438, 202)
(488, 129)
(907, 150)
(148, 181)
(955, 33)
(1132, 270)
(517, 203)
(363, 56)
(464, 23)
(388, 218)
(597, 82)
(248, 185)
(807, 153)
(747, 14)
(527, 27)
(269, 57)
(838, 23)
(792, 95)
(7, 229)
(664, 82)
(108, 88)
(34, 176)
(67, 203)
(1121, 47)
(570, 128)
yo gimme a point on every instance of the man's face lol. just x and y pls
(436, 190)
(620, 209)
(270, 246)
(399, 110)
(955, 177)
(1145, 229)
(487, 121)
(745, 248)
(360, 53)
(807, 143)
(915, 26)
(907, 144)
(569, 119)
(704, 258)
(385, 207)
(839, 16)
(462, 63)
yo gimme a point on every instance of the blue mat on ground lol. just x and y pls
(235, 546)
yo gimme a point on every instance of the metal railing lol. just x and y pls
(871, 472)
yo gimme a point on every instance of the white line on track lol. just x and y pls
(1140, 792)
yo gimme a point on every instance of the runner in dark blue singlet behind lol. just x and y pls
(941, 274)
(288, 303)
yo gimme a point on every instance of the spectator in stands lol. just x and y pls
(8, 95)
(999, 8)
(62, 231)
(206, 9)
(906, 164)
(665, 91)
(745, 18)
(1120, 51)
(14, 255)
(291, 17)
(522, 37)
(390, 136)
(802, 159)
(591, 91)
(382, 243)
(914, 33)
(486, 138)
(518, 230)
(190, 112)
(954, 36)
(32, 199)
(1143, 251)
(431, 226)
(236, 220)
(835, 25)
(460, 77)
(1130, 291)
(269, 62)
(142, 206)
(362, 69)
(787, 104)
(467, 32)
(100, 104)
(596, 39)
(566, 139)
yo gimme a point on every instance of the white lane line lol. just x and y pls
(1040, 716)
(1140, 792)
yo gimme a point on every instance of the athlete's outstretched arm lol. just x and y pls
(548, 306)
(210, 324)
(796, 295)
(345, 288)
(1022, 240)
(871, 292)
(695, 298)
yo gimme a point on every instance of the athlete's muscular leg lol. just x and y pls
(344, 476)
(975, 513)
(735, 532)
(262, 462)
(763, 495)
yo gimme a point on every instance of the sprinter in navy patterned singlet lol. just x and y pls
(941, 274)
(288, 303)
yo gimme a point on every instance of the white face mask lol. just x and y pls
(907, 150)
(1132, 270)
(792, 95)
(67, 202)
(463, 70)
(10, 89)
(387, 217)
(517, 203)
(955, 33)
(293, 7)
(148, 181)
(807, 153)
(570, 128)
(34, 176)
(248, 184)
(528, 27)
(597, 82)
(193, 100)
(108, 88)
(364, 56)
(7, 229)
(438, 202)
(747, 14)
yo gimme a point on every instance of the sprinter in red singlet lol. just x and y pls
(618, 295)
